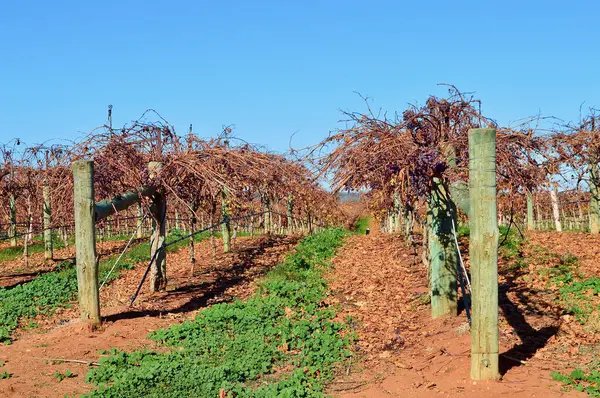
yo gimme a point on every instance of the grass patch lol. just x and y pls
(511, 243)
(580, 297)
(577, 294)
(37, 246)
(361, 225)
(11, 253)
(53, 290)
(282, 341)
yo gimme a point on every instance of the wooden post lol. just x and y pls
(396, 212)
(530, 222)
(267, 215)
(140, 222)
(540, 216)
(29, 230)
(226, 226)
(47, 209)
(85, 241)
(443, 255)
(290, 212)
(594, 200)
(62, 231)
(158, 267)
(191, 241)
(408, 226)
(483, 250)
(12, 232)
(555, 210)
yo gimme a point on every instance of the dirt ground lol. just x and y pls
(382, 285)
(215, 280)
(377, 281)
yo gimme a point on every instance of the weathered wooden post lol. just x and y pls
(530, 221)
(226, 225)
(555, 209)
(443, 255)
(396, 212)
(594, 200)
(140, 214)
(158, 267)
(12, 208)
(483, 250)
(408, 226)
(191, 239)
(267, 214)
(290, 214)
(85, 241)
(47, 209)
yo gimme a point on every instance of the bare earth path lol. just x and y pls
(215, 280)
(380, 283)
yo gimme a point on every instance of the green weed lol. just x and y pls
(61, 376)
(280, 342)
(580, 381)
(5, 375)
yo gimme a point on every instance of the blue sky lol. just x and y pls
(273, 68)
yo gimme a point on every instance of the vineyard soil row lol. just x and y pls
(62, 336)
(406, 353)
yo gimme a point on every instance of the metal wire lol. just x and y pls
(122, 253)
(464, 269)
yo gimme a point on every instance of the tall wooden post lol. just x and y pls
(408, 226)
(267, 216)
(555, 210)
(443, 255)
(483, 250)
(226, 226)
(191, 241)
(29, 228)
(396, 212)
(158, 267)
(290, 212)
(530, 221)
(12, 208)
(594, 200)
(85, 241)
(140, 214)
(47, 209)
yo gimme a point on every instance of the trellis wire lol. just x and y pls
(460, 279)
(122, 253)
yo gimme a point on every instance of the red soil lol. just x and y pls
(404, 353)
(215, 280)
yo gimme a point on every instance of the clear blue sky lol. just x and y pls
(276, 67)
